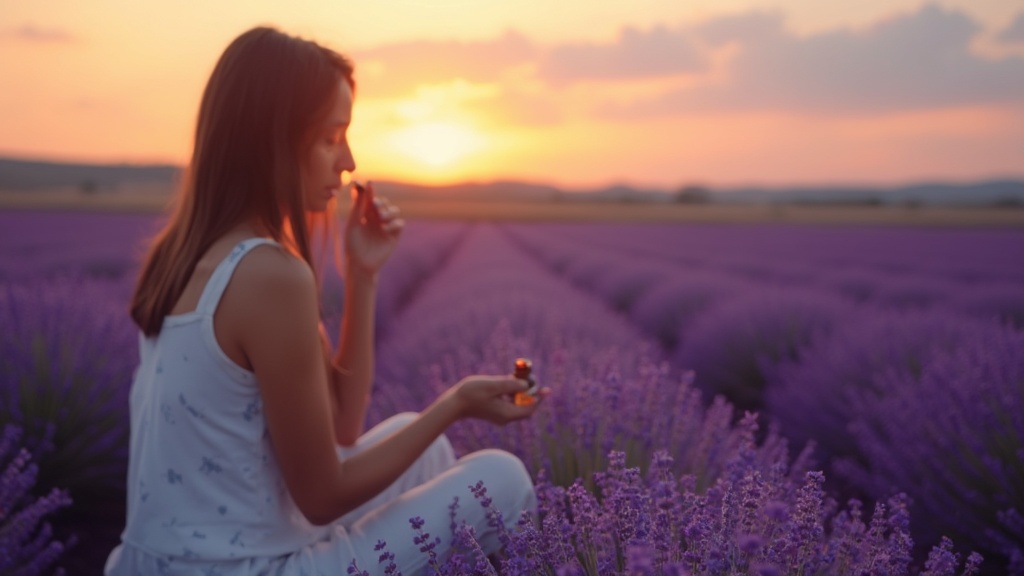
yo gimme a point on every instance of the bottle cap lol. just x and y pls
(523, 368)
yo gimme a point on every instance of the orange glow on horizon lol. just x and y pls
(437, 144)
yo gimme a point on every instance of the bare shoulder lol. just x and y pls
(269, 290)
(270, 271)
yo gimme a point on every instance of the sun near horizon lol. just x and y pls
(431, 152)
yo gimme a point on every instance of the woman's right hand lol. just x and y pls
(490, 398)
(369, 242)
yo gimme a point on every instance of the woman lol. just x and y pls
(247, 448)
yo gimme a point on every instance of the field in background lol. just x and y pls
(853, 336)
(157, 200)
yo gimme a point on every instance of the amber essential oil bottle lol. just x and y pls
(523, 371)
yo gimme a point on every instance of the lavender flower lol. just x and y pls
(27, 545)
(427, 545)
(953, 439)
(353, 569)
(817, 396)
(467, 557)
(69, 352)
(386, 558)
(943, 561)
(739, 525)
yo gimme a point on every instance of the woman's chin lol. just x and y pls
(319, 205)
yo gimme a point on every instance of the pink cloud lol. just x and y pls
(33, 33)
(408, 64)
(910, 61)
(659, 51)
(1014, 33)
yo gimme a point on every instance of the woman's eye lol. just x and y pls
(335, 138)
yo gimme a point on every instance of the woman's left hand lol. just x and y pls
(369, 239)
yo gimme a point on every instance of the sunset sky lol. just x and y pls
(575, 93)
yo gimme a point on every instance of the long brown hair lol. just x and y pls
(256, 118)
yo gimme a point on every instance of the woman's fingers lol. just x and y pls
(355, 213)
(386, 209)
(368, 207)
(394, 227)
(490, 398)
(379, 213)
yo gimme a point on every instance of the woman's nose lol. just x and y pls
(345, 161)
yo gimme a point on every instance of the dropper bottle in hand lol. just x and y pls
(523, 371)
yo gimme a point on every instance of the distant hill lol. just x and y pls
(498, 190)
(30, 175)
(41, 175)
(1008, 193)
(995, 192)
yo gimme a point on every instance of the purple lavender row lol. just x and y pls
(727, 328)
(887, 395)
(816, 356)
(752, 520)
(967, 254)
(492, 304)
(424, 249)
(68, 352)
(633, 279)
(617, 378)
(613, 399)
(724, 328)
(950, 431)
(27, 545)
(842, 379)
(488, 290)
(45, 244)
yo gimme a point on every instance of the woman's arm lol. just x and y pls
(277, 319)
(351, 369)
(350, 373)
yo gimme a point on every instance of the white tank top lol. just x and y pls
(203, 482)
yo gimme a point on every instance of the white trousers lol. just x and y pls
(426, 490)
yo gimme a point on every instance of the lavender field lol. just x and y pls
(728, 399)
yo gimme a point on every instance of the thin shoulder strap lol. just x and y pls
(222, 274)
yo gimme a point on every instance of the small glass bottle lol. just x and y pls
(523, 371)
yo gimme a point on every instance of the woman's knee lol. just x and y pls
(502, 462)
(379, 432)
(504, 476)
(438, 457)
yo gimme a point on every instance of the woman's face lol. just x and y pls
(330, 154)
